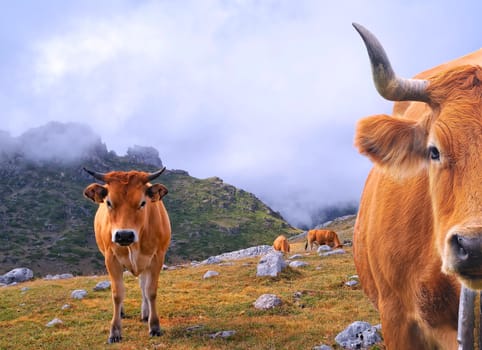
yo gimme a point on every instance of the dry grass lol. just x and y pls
(224, 302)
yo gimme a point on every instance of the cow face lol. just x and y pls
(126, 197)
(442, 141)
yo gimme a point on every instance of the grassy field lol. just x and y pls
(185, 300)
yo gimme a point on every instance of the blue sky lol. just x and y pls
(264, 94)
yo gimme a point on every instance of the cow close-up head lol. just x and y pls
(126, 196)
(441, 144)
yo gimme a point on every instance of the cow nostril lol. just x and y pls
(460, 246)
(124, 237)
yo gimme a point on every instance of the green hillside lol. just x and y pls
(46, 223)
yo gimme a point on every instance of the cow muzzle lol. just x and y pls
(124, 237)
(465, 250)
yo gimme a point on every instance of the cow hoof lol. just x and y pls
(114, 339)
(155, 332)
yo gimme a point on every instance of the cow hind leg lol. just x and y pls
(145, 303)
(151, 279)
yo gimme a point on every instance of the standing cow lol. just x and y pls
(418, 234)
(132, 231)
(281, 244)
(321, 237)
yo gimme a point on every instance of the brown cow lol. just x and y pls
(281, 244)
(418, 234)
(321, 237)
(132, 231)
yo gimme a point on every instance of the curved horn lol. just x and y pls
(390, 86)
(98, 176)
(155, 174)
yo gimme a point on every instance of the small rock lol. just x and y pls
(324, 248)
(62, 276)
(195, 328)
(102, 286)
(54, 322)
(24, 289)
(210, 274)
(351, 283)
(296, 256)
(78, 294)
(333, 252)
(298, 263)
(222, 334)
(322, 347)
(267, 301)
(271, 264)
(66, 307)
(358, 335)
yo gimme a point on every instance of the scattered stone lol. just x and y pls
(211, 260)
(195, 328)
(267, 301)
(24, 289)
(62, 276)
(79, 294)
(240, 254)
(298, 263)
(222, 334)
(358, 335)
(102, 286)
(20, 274)
(271, 264)
(324, 248)
(322, 347)
(210, 274)
(54, 322)
(354, 277)
(333, 252)
(351, 283)
(66, 307)
(296, 256)
(347, 243)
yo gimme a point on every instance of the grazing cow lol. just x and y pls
(418, 234)
(321, 237)
(132, 231)
(281, 244)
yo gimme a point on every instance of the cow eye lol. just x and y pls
(434, 153)
(142, 205)
(109, 204)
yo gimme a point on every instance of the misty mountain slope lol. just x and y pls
(47, 224)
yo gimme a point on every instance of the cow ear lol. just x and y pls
(397, 145)
(156, 192)
(95, 192)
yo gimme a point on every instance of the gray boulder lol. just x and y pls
(298, 263)
(358, 335)
(210, 274)
(267, 301)
(322, 347)
(271, 264)
(103, 285)
(78, 294)
(62, 276)
(324, 248)
(20, 274)
(333, 252)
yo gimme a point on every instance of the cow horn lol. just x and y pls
(98, 176)
(390, 86)
(155, 174)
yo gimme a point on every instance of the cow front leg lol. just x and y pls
(150, 290)
(114, 269)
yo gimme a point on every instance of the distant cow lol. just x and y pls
(132, 231)
(281, 244)
(418, 234)
(321, 237)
